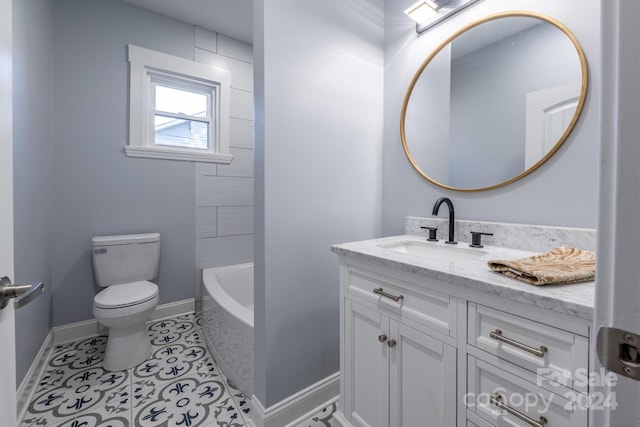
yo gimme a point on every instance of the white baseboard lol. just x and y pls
(173, 309)
(312, 412)
(76, 331)
(295, 408)
(32, 377)
(89, 328)
(339, 419)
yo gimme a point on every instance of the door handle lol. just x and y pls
(27, 293)
(496, 400)
(497, 335)
(380, 291)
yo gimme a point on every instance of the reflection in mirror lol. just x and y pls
(494, 103)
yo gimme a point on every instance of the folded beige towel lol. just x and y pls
(558, 266)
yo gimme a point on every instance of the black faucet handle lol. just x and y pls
(476, 238)
(432, 233)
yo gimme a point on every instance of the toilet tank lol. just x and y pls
(125, 258)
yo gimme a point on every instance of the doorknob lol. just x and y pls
(27, 292)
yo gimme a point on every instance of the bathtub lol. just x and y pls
(227, 321)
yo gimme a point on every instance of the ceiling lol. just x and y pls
(233, 18)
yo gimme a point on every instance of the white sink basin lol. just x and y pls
(436, 251)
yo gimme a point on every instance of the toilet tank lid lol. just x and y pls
(124, 239)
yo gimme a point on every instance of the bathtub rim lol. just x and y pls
(213, 288)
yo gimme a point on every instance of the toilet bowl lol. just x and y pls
(123, 266)
(124, 309)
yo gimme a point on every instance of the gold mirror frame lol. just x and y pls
(565, 135)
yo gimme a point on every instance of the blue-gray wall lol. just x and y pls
(97, 189)
(32, 154)
(427, 118)
(562, 192)
(318, 90)
(489, 89)
(72, 179)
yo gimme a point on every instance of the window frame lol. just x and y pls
(147, 68)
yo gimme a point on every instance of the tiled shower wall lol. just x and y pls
(224, 193)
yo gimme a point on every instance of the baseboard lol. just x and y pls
(32, 377)
(312, 412)
(76, 331)
(173, 309)
(339, 419)
(89, 328)
(298, 406)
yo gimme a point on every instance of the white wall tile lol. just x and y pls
(224, 191)
(235, 48)
(206, 169)
(219, 251)
(241, 72)
(241, 133)
(205, 39)
(234, 220)
(206, 221)
(241, 165)
(241, 104)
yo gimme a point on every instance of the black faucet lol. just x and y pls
(452, 217)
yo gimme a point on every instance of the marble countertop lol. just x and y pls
(575, 299)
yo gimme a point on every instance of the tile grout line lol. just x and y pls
(184, 335)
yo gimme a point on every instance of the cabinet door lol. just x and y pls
(422, 379)
(366, 366)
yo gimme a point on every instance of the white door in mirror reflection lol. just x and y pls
(549, 112)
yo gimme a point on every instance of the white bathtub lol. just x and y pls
(227, 321)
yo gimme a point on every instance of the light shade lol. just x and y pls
(422, 11)
(429, 13)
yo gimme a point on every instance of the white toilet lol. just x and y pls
(123, 265)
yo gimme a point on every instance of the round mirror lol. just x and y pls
(494, 101)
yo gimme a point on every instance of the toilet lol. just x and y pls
(124, 266)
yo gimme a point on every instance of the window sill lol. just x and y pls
(177, 154)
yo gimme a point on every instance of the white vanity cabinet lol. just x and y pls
(422, 349)
(398, 368)
(526, 366)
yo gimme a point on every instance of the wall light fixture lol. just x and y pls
(429, 13)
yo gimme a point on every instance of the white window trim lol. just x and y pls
(144, 62)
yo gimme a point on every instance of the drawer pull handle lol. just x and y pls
(496, 400)
(391, 343)
(382, 338)
(381, 291)
(497, 335)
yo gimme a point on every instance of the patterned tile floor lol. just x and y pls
(179, 385)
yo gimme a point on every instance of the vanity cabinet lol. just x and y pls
(397, 375)
(421, 352)
(398, 366)
(524, 370)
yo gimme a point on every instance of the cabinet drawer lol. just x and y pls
(552, 353)
(490, 388)
(427, 307)
(475, 421)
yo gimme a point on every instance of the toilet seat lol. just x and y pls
(125, 295)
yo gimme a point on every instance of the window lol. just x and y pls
(178, 109)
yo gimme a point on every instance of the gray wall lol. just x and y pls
(318, 86)
(97, 189)
(72, 180)
(563, 192)
(488, 101)
(427, 118)
(32, 153)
